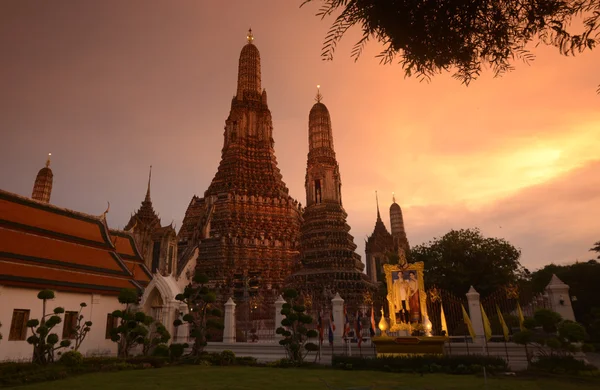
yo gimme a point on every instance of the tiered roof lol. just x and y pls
(44, 246)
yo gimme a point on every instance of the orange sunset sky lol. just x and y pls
(111, 87)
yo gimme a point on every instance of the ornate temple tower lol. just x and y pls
(328, 258)
(377, 247)
(246, 222)
(397, 224)
(42, 188)
(381, 244)
(157, 244)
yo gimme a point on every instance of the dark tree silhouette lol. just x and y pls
(431, 36)
(464, 258)
(596, 248)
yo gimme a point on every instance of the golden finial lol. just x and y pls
(48, 160)
(319, 96)
(393, 197)
(250, 37)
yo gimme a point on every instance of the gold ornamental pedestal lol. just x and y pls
(409, 345)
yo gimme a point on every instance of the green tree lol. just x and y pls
(430, 36)
(81, 329)
(596, 248)
(582, 278)
(44, 342)
(463, 258)
(134, 326)
(294, 331)
(548, 329)
(202, 314)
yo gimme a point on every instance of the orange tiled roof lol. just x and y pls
(44, 246)
(44, 219)
(128, 251)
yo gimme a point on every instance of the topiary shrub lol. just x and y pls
(161, 350)
(227, 358)
(176, 351)
(294, 329)
(71, 359)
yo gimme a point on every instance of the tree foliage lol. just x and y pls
(596, 248)
(81, 329)
(464, 258)
(202, 314)
(582, 278)
(44, 342)
(294, 329)
(431, 36)
(136, 328)
(548, 330)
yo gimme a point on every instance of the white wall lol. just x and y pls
(98, 306)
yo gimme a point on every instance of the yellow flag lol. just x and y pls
(443, 317)
(504, 326)
(521, 318)
(487, 327)
(468, 323)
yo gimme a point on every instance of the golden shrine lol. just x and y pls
(407, 305)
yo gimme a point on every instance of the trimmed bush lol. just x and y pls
(161, 350)
(227, 358)
(561, 365)
(71, 359)
(422, 364)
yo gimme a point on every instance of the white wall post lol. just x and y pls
(560, 300)
(475, 313)
(338, 318)
(229, 331)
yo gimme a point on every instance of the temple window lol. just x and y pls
(18, 325)
(70, 324)
(317, 191)
(111, 323)
(155, 256)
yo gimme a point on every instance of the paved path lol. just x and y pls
(593, 358)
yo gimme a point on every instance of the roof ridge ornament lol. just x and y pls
(319, 96)
(250, 37)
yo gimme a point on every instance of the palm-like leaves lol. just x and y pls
(431, 36)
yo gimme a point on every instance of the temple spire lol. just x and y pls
(148, 191)
(42, 187)
(248, 87)
(377, 201)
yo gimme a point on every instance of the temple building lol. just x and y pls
(380, 245)
(74, 254)
(329, 263)
(158, 244)
(246, 224)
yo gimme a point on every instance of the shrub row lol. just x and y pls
(561, 365)
(13, 374)
(422, 364)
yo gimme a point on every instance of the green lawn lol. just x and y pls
(214, 378)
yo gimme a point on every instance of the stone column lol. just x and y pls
(475, 313)
(338, 318)
(278, 316)
(229, 332)
(559, 298)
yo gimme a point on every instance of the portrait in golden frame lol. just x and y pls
(407, 300)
